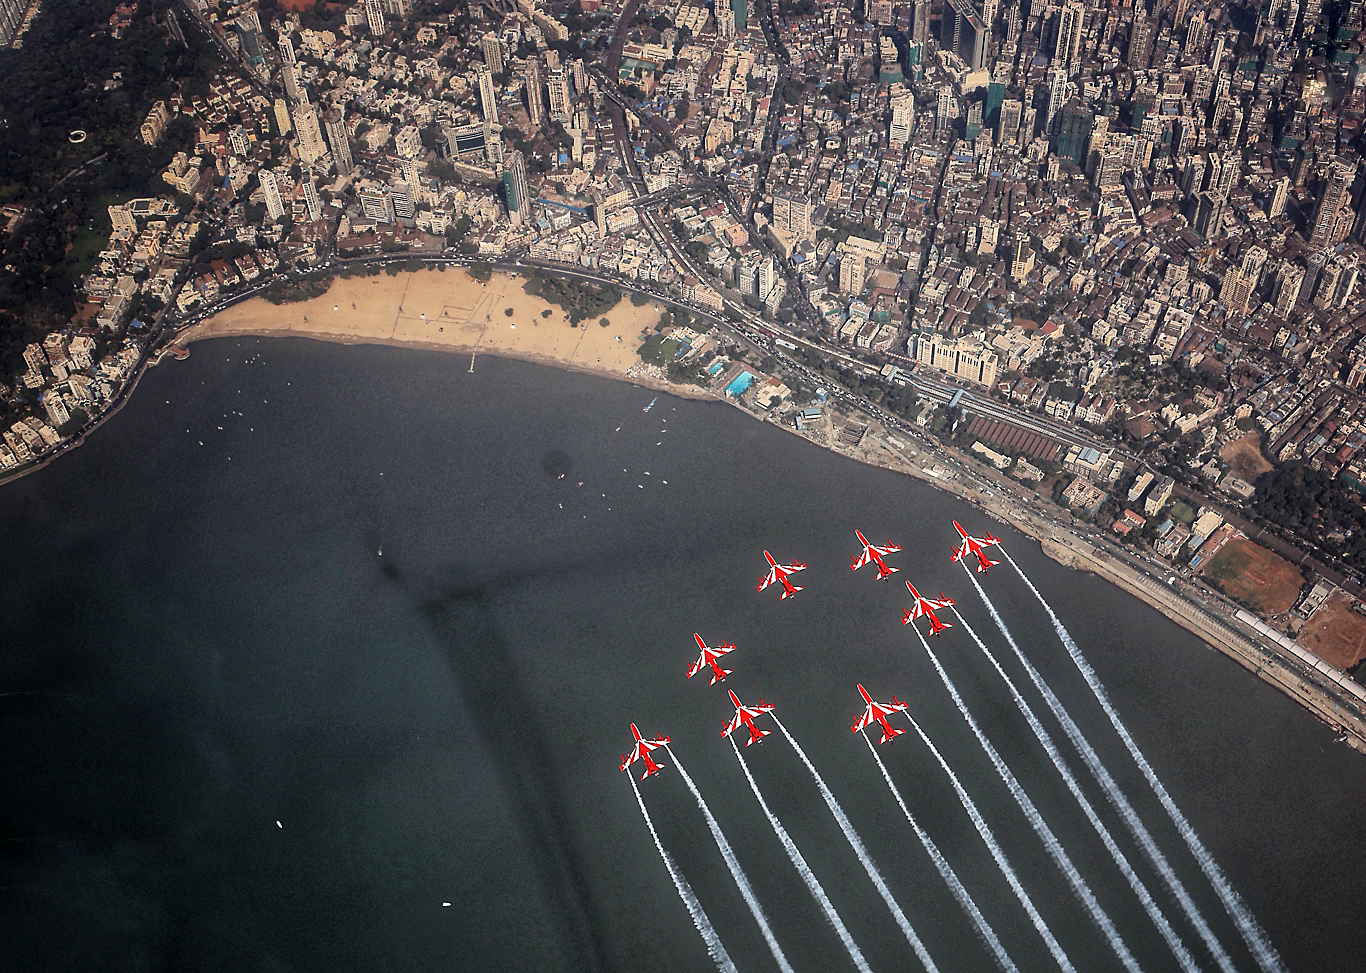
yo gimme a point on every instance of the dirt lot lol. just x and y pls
(1255, 577)
(1244, 457)
(1336, 633)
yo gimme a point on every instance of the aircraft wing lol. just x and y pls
(861, 559)
(767, 580)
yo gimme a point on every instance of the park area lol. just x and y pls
(1253, 576)
(1336, 633)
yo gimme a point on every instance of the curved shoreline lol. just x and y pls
(645, 381)
(390, 311)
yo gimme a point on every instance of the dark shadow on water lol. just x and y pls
(461, 616)
(557, 464)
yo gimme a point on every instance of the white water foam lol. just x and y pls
(1253, 934)
(856, 843)
(685, 892)
(803, 869)
(741, 881)
(946, 872)
(1055, 850)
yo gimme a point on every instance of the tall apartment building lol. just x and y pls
(282, 121)
(488, 97)
(1280, 190)
(312, 200)
(792, 213)
(270, 186)
(725, 19)
(1288, 281)
(853, 268)
(11, 17)
(1140, 42)
(515, 186)
(557, 87)
(920, 21)
(535, 100)
(289, 70)
(155, 123)
(492, 49)
(374, 17)
(308, 133)
(1067, 47)
(1008, 124)
(375, 203)
(340, 143)
(903, 120)
(946, 109)
(1334, 216)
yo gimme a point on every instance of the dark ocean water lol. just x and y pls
(203, 640)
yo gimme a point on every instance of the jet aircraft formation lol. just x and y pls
(971, 552)
(778, 574)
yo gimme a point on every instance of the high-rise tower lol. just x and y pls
(335, 121)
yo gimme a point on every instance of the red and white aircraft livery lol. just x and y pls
(641, 751)
(875, 555)
(975, 545)
(878, 712)
(744, 716)
(777, 573)
(926, 607)
(708, 658)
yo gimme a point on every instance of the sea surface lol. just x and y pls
(309, 640)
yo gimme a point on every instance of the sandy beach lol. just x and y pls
(447, 311)
(451, 311)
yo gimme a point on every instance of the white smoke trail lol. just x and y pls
(741, 881)
(998, 854)
(804, 870)
(856, 843)
(946, 871)
(1174, 942)
(1253, 934)
(685, 892)
(1110, 786)
(1055, 850)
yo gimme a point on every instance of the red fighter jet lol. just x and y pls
(641, 751)
(874, 555)
(777, 574)
(925, 608)
(878, 712)
(744, 716)
(975, 545)
(708, 658)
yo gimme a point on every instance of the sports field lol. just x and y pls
(1336, 633)
(1253, 576)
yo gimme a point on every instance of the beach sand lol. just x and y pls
(447, 311)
